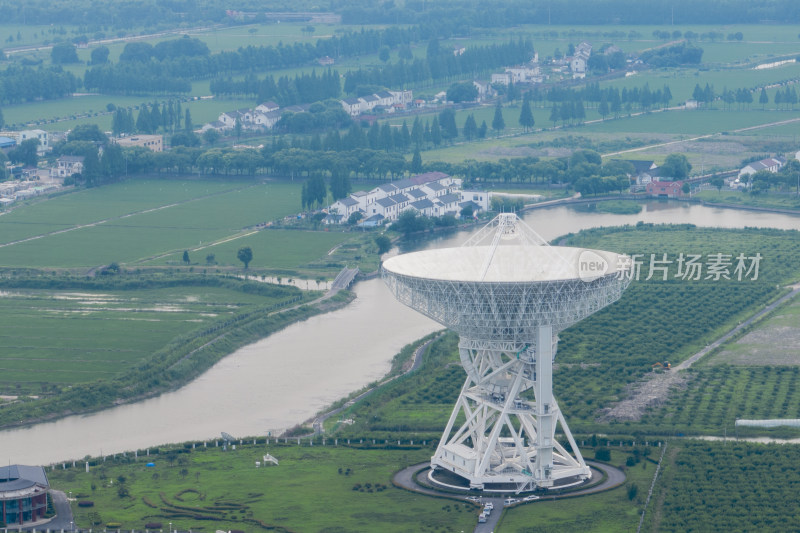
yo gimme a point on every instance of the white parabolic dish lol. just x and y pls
(521, 287)
(510, 263)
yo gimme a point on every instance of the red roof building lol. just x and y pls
(665, 189)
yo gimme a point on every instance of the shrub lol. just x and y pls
(153, 525)
(85, 503)
(602, 454)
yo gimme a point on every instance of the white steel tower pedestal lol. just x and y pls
(508, 300)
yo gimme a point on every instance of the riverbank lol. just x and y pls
(266, 386)
(173, 364)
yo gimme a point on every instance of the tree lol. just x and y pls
(187, 123)
(245, 255)
(63, 53)
(186, 256)
(555, 114)
(237, 127)
(436, 132)
(416, 162)
(685, 188)
(87, 132)
(602, 108)
(25, 153)
(462, 92)
(384, 53)
(763, 99)
(482, 130)
(470, 128)
(447, 121)
(676, 167)
(718, 182)
(498, 124)
(100, 55)
(526, 116)
(384, 243)
(210, 259)
(211, 136)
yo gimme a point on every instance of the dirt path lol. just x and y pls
(655, 389)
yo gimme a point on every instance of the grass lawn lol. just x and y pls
(607, 512)
(313, 490)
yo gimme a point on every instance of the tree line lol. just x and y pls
(25, 84)
(301, 89)
(440, 64)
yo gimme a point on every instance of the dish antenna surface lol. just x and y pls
(507, 293)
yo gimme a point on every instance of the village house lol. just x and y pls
(665, 189)
(580, 59)
(42, 136)
(67, 165)
(485, 90)
(772, 164)
(644, 171)
(384, 101)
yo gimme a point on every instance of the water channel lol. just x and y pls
(286, 378)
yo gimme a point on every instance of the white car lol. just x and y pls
(489, 505)
(482, 518)
(530, 498)
(510, 501)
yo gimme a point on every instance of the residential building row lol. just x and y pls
(380, 102)
(431, 194)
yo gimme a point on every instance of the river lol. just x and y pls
(286, 378)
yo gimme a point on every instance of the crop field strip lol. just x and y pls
(111, 202)
(133, 235)
(65, 337)
(730, 486)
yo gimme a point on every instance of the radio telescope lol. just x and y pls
(507, 293)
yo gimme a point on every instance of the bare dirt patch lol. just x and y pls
(653, 391)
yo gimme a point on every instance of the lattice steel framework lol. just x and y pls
(508, 332)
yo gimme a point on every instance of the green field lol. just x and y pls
(140, 220)
(313, 489)
(297, 248)
(54, 338)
